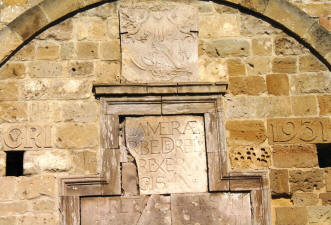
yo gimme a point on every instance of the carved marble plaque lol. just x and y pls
(169, 152)
(159, 42)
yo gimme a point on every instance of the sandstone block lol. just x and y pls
(40, 219)
(285, 45)
(306, 181)
(48, 51)
(8, 220)
(13, 111)
(111, 50)
(223, 8)
(81, 68)
(240, 107)
(85, 162)
(273, 106)
(55, 10)
(319, 214)
(326, 198)
(305, 199)
(328, 179)
(43, 205)
(244, 85)
(236, 67)
(9, 90)
(62, 31)
(311, 83)
(12, 71)
(304, 105)
(44, 111)
(277, 84)
(69, 89)
(80, 111)
(250, 157)
(91, 28)
(67, 50)
(246, 132)
(8, 187)
(87, 50)
(316, 9)
(107, 72)
(212, 69)
(258, 65)
(219, 25)
(129, 179)
(35, 89)
(227, 47)
(15, 207)
(35, 186)
(252, 26)
(26, 53)
(284, 65)
(310, 63)
(324, 103)
(299, 156)
(15, 2)
(279, 182)
(72, 135)
(45, 69)
(2, 166)
(11, 39)
(291, 216)
(107, 10)
(113, 28)
(262, 46)
(54, 161)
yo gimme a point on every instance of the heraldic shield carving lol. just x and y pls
(159, 42)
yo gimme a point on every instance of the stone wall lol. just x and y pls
(277, 108)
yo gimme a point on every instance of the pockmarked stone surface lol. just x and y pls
(170, 153)
(159, 42)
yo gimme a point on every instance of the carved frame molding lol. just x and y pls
(220, 177)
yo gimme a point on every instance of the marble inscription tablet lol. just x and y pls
(169, 152)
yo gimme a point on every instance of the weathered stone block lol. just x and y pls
(319, 214)
(12, 71)
(61, 31)
(262, 46)
(258, 65)
(54, 161)
(305, 199)
(212, 69)
(45, 69)
(236, 67)
(67, 50)
(129, 179)
(240, 107)
(291, 216)
(35, 186)
(106, 10)
(81, 68)
(113, 30)
(80, 111)
(26, 53)
(71, 135)
(279, 182)
(40, 219)
(285, 45)
(107, 72)
(15, 2)
(10, 208)
(43, 205)
(8, 187)
(87, 50)
(55, 10)
(306, 181)
(219, 25)
(277, 84)
(84, 162)
(310, 63)
(246, 132)
(8, 220)
(252, 26)
(227, 47)
(111, 50)
(304, 105)
(70, 89)
(326, 198)
(300, 156)
(284, 65)
(243, 85)
(91, 28)
(324, 103)
(44, 111)
(11, 39)
(13, 111)
(299, 130)
(9, 90)
(311, 83)
(250, 157)
(48, 51)
(273, 106)
(35, 89)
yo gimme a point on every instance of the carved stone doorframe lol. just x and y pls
(220, 177)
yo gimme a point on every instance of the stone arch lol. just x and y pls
(281, 12)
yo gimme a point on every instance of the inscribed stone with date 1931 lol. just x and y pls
(170, 153)
(159, 42)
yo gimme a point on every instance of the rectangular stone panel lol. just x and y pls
(170, 153)
(159, 42)
(299, 130)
